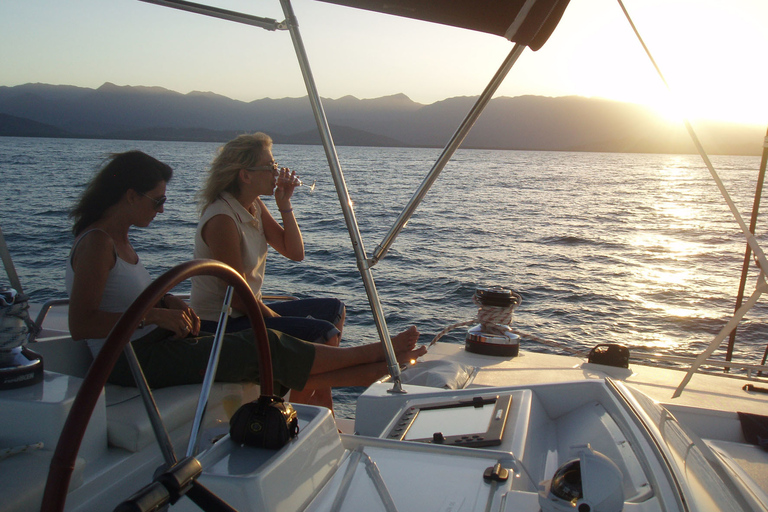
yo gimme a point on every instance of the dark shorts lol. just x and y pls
(307, 319)
(173, 362)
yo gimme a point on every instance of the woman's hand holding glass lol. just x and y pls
(287, 181)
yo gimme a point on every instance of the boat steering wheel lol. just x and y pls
(63, 462)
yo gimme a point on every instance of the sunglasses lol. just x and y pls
(274, 166)
(159, 202)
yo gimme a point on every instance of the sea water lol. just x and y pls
(636, 249)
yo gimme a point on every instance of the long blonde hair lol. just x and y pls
(242, 152)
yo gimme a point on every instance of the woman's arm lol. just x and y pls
(222, 237)
(92, 261)
(285, 239)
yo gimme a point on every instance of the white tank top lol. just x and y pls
(208, 292)
(124, 283)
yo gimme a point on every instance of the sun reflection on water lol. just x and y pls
(660, 246)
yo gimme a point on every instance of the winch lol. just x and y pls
(493, 335)
(19, 366)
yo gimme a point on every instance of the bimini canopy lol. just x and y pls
(527, 22)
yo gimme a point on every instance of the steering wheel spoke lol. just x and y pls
(181, 477)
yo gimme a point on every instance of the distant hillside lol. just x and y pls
(20, 127)
(524, 122)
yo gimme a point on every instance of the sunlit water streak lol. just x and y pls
(612, 248)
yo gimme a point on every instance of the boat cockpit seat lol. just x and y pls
(128, 425)
(64, 355)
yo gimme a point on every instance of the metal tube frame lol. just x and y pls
(363, 263)
(10, 270)
(343, 193)
(224, 14)
(210, 372)
(450, 149)
(161, 434)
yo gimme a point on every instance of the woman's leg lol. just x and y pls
(359, 375)
(315, 394)
(329, 359)
(238, 324)
(319, 320)
(361, 365)
(295, 363)
(311, 320)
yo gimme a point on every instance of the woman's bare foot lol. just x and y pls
(405, 345)
(406, 340)
(410, 356)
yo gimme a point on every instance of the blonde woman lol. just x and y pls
(236, 228)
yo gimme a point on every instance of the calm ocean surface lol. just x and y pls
(613, 248)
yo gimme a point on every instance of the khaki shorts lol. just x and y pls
(173, 362)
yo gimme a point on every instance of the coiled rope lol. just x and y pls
(15, 324)
(490, 317)
(7, 452)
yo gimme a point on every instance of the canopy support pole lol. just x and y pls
(10, 269)
(748, 251)
(727, 328)
(216, 12)
(344, 198)
(450, 149)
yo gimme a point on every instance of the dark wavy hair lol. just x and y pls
(121, 172)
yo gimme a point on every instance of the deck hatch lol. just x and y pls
(477, 422)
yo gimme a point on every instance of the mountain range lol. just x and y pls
(571, 123)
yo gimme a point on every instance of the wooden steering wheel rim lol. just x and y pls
(65, 455)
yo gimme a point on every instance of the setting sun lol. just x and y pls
(707, 54)
(706, 50)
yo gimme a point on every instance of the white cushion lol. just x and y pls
(128, 424)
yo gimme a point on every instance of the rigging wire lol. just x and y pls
(694, 137)
(748, 252)
(750, 237)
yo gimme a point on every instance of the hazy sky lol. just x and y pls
(713, 52)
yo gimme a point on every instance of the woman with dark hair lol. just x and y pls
(104, 275)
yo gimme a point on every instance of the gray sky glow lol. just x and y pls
(712, 52)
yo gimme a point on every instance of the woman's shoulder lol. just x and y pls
(220, 206)
(94, 238)
(220, 222)
(218, 218)
(94, 244)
